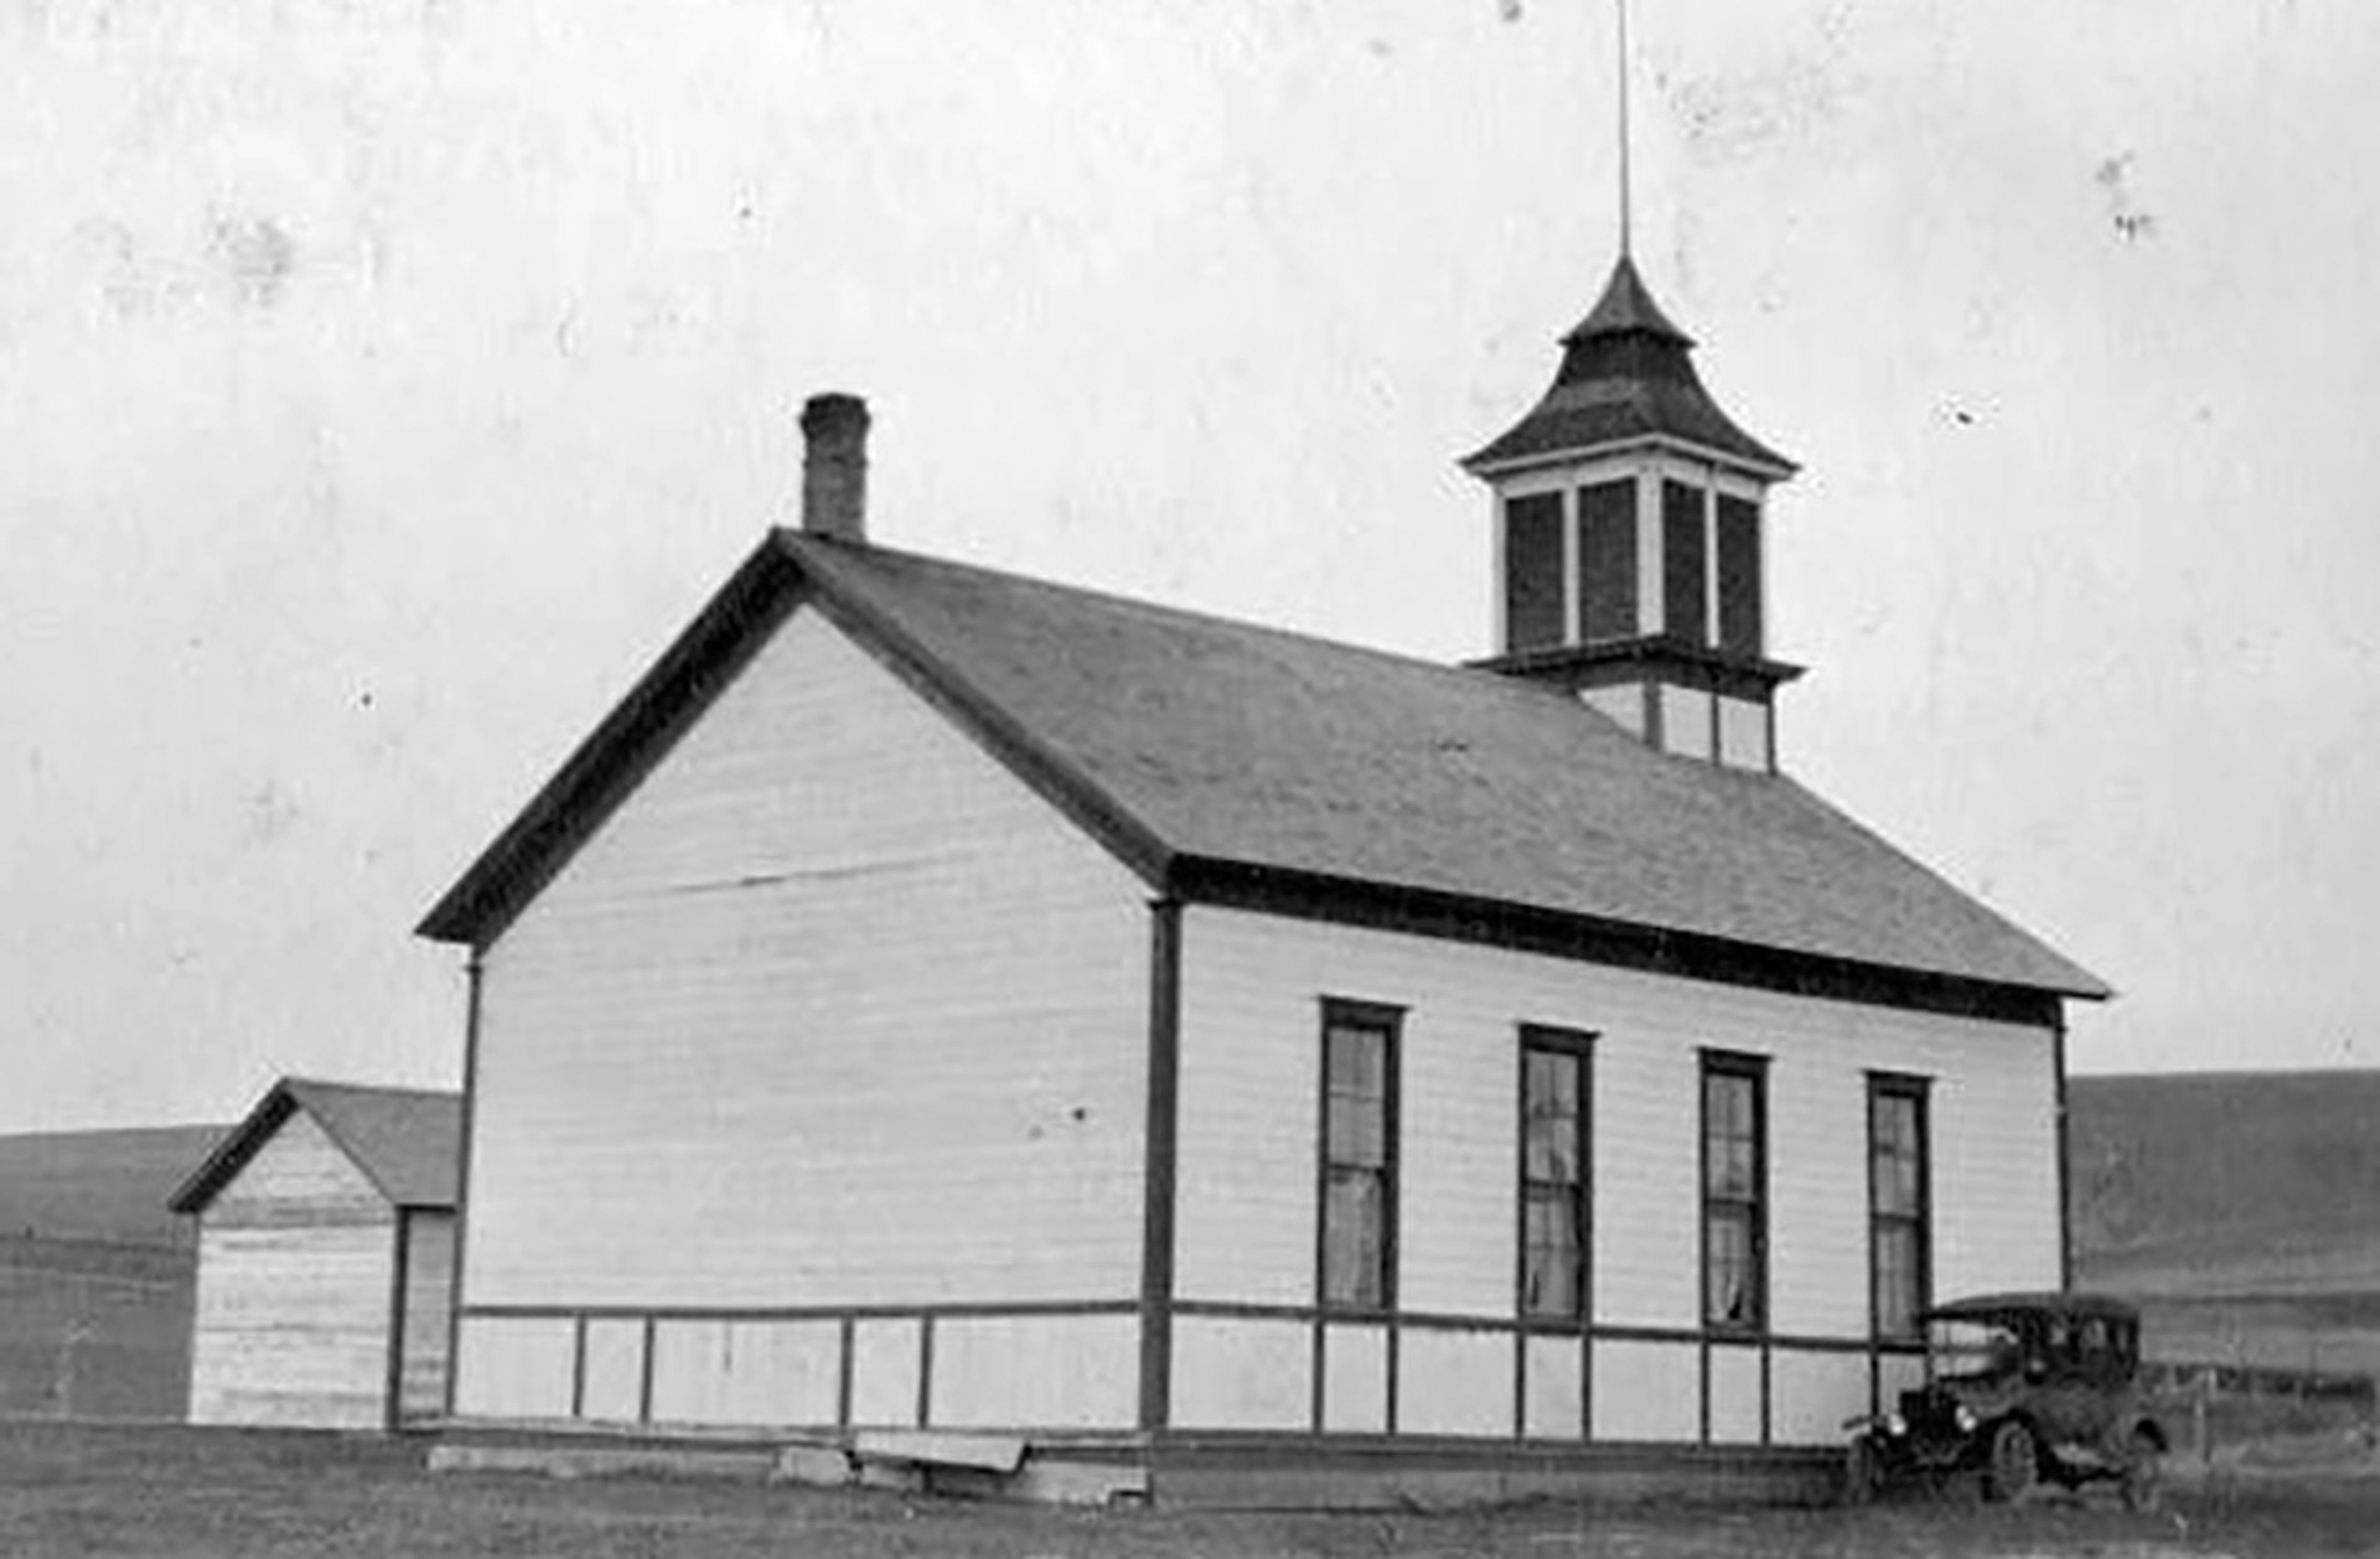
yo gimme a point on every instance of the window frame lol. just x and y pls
(1916, 1092)
(1387, 1021)
(1754, 1071)
(1578, 1046)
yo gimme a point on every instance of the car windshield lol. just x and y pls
(1971, 1349)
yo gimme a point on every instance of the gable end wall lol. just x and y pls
(291, 1318)
(832, 1014)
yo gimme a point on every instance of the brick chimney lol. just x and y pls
(834, 466)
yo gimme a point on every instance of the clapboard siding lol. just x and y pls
(1249, 1058)
(297, 1174)
(428, 1300)
(292, 1325)
(296, 1258)
(1036, 1372)
(832, 1009)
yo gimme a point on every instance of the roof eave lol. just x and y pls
(231, 1154)
(591, 780)
(642, 727)
(1308, 895)
(1653, 647)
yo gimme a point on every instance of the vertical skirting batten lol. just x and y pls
(393, 1408)
(1159, 1164)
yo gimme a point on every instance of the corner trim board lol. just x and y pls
(1159, 1165)
(474, 975)
(2065, 1170)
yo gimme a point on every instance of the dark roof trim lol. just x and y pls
(1488, 462)
(619, 751)
(1063, 784)
(1684, 954)
(235, 1148)
(1722, 671)
(284, 1099)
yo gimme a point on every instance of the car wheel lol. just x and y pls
(1862, 1471)
(2144, 1473)
(2015, 1462)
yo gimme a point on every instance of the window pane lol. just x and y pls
(1738, 1106)
(1551, 1217)
(1733, 1277)
(1358, 1062)
(1897, 1297)
(1728, 1105)
(1553, 1174)
(1731, 1166)
(1892, 1119)
(1896, 1187)
(1551, 1083)
(1356, 1134)
(1898, 1226)
(1551, 1266)
(1549, 1145)
(1550, 1151)
(1352, 1245)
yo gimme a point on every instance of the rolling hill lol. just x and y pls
(100, 1185)
(2242, 1209)
(95, 1274)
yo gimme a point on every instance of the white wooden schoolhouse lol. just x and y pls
(1267, 1068)
(325, 1272)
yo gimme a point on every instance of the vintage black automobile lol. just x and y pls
(2023, 1388)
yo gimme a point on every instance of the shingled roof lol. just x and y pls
(1627, 375)
(407, 1141)
(1201, 750)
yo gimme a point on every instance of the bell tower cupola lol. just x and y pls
(1629, 520)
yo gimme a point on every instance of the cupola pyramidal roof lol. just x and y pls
(1627, 376)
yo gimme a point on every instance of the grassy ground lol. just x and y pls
(70, 1491)
(89, 1330)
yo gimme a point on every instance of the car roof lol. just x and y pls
(1995, 1307)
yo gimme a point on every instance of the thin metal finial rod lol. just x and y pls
(1626, 194)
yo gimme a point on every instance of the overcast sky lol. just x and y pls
(383, 383)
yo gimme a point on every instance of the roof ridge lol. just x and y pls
(295, 1089)
(1473, 674)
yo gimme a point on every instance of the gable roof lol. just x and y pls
(407, 1141)
(1197, 749)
